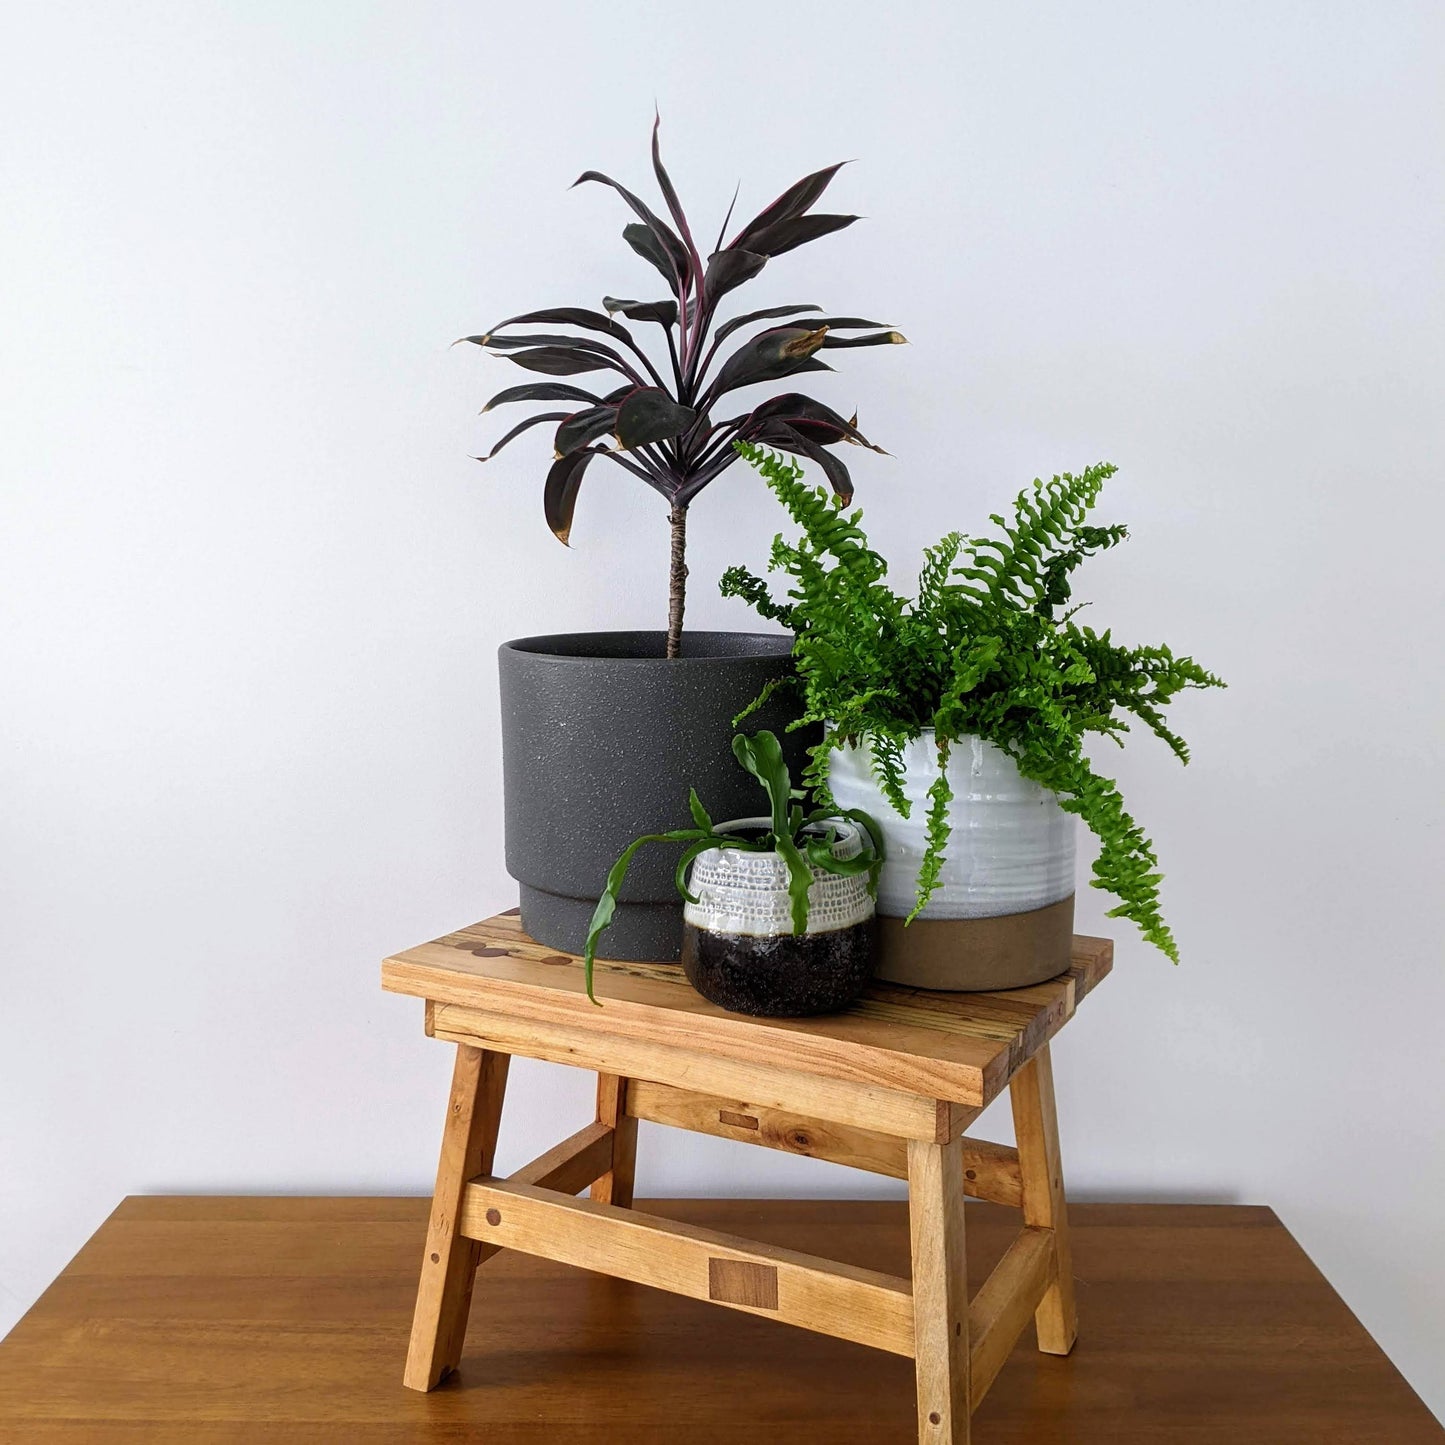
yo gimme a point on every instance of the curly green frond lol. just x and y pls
(936, 832)
(739, 582)
(989, 647)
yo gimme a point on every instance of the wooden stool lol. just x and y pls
(888, 1086)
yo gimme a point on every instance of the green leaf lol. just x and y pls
(606, 907)
(800, 880)
(699, 813)
(870, 825)
(762, 756)
(679, 876)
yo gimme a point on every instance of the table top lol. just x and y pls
(962, 1047)
(213, 1321)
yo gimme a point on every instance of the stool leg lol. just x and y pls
(449, 1266)
(1036, 1126)
(940, 1291)
(615, 1187)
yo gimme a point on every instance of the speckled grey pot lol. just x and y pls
(601, 738)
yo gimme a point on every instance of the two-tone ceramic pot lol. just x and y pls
(739, 949)
(1002, 915)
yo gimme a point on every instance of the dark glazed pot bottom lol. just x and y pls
(640, 932)
(779, 976)
(601, 738)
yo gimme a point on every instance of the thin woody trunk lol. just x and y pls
(676, 580)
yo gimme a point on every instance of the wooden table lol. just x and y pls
(889, 1086)
(265, 1321)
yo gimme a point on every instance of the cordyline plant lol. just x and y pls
(660, 426)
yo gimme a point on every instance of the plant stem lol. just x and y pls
(677, 578)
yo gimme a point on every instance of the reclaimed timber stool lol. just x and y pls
(889, 1086)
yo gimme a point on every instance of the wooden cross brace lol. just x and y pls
(958, 1345)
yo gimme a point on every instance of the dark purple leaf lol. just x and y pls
(541, 391)
(667, 239)
(563, 316)
(559, 493)
(652, 250)
(728, 327)
(785, 235)
(669, 194)
(708, 471)
(848, 323)
(881, 338)
(811, 418)
(728, 269)
(542, 416)
(583, 428)
(723, 229)
(561, 360)
(540, 338)
(776, 353)
(779, 434)
(662, 312)
(651, 415)
(792, 203)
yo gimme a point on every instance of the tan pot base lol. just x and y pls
(962, 955)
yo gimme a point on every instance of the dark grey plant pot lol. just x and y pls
(602, 735)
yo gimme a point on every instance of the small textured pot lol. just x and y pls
(1003, 913)
(739, 949)
(602, 735)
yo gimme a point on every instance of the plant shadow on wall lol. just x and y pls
(989, 651)
(659, 420)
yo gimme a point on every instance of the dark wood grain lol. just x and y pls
(236, 1320)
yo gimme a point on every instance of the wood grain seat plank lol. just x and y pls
(962, 1048)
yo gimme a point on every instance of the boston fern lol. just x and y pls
(658, 423)
(988, 647)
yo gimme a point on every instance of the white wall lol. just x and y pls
(251, 585)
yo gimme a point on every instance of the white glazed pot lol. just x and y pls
(738, 891)
(1002, 914)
